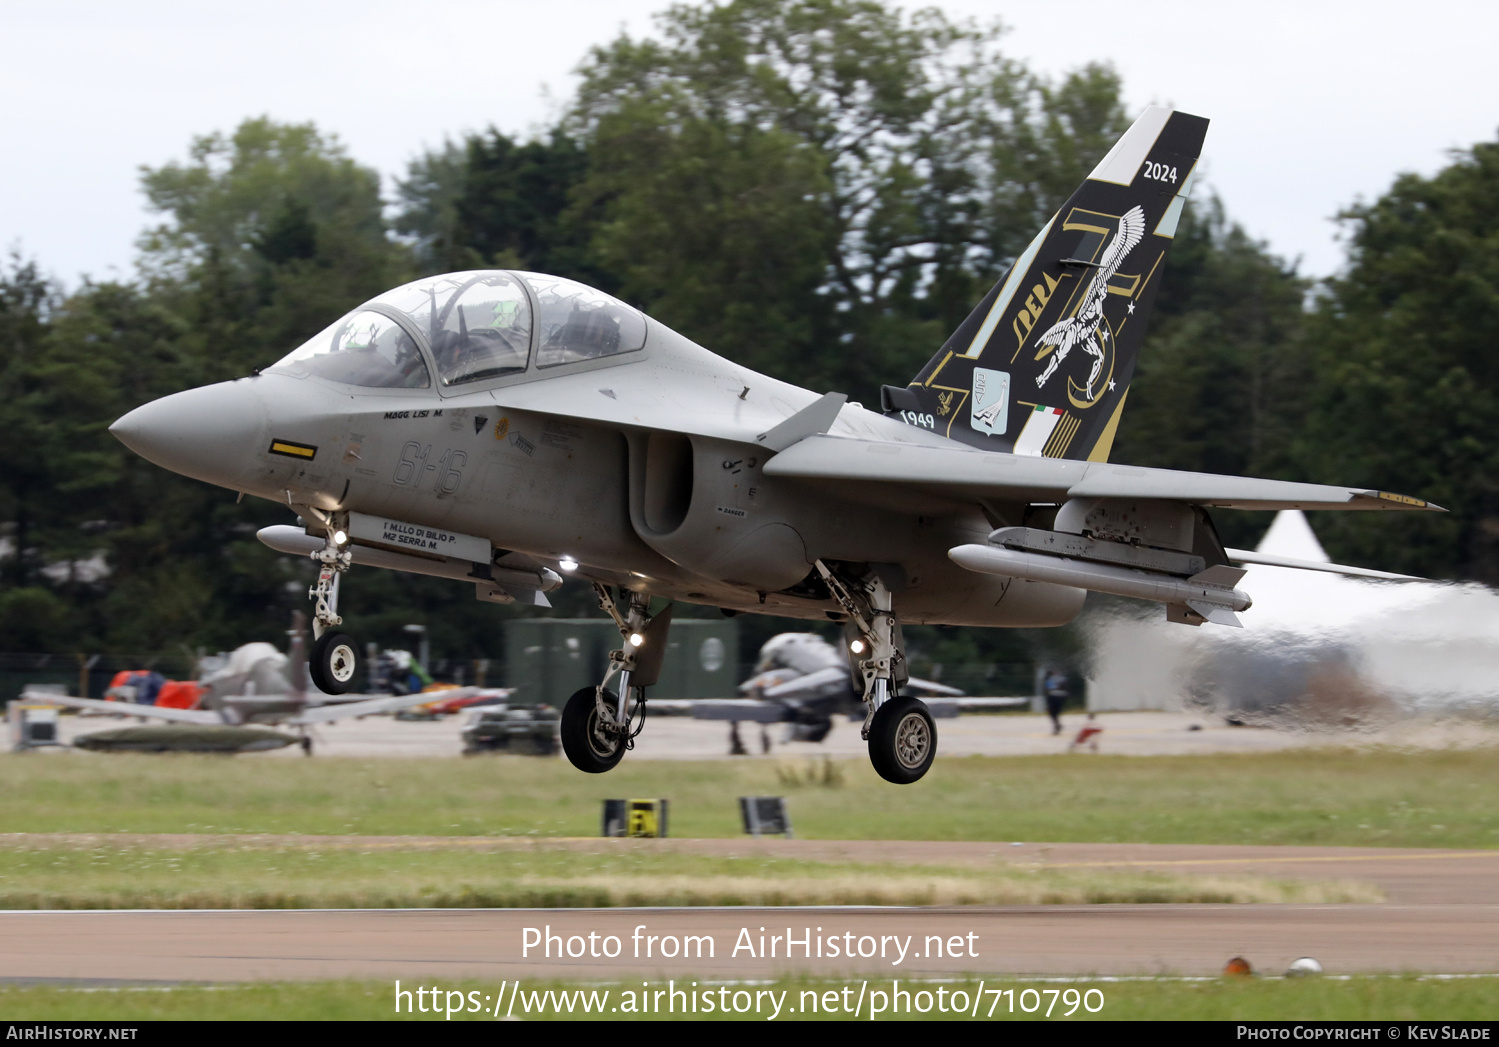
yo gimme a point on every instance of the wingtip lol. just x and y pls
(1394, 500)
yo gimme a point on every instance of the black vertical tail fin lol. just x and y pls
(1043, 365)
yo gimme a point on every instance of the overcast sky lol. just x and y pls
(1313, 104)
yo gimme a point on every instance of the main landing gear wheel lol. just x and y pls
(334, 661)
(589, 747)
(902, 740)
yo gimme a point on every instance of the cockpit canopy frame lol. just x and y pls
(472, 330)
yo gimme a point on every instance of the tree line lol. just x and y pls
(818, 189)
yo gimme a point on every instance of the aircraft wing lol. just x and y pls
(931, 687)
(672, 706)
(748, 710)
(198, 716)
(751, 710)
(327, 712)
(812, 685)
(952, 708)
(745, 710)
(834, 678)
(974, 474)
(989, 705)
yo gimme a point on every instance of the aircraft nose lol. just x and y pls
(209, 434)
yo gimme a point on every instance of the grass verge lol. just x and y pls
(1351, 797)
(232, 876)
(1388, 999)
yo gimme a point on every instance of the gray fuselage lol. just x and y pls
(643, 467)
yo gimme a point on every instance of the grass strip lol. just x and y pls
(1346, 797)
(254, 876)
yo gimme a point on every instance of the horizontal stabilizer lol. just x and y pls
(1270, 560)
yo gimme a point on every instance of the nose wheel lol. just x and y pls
(333, 663)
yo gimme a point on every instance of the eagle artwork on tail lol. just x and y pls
(1082, 327)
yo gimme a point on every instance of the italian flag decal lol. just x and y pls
(1039, 426)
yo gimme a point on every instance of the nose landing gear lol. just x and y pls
(901, 735)
(334, 660)
(598, 723)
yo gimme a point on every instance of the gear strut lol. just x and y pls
(868, 609)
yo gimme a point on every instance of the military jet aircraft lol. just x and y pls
(510, 429)
(803, 681)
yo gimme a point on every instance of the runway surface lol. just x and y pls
(1443, 916)
(1011, 734)
(490, 944)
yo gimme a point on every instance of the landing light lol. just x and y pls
(857, 647)
(339, 537)
(567, 563)
(637, 640)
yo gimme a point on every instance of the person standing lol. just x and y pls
(1056, 698)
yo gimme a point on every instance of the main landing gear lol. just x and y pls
(600, 723)
(901, 735)
(335, 656)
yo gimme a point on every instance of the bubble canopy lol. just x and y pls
(478, 325)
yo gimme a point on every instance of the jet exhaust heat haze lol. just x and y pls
(1320, 650)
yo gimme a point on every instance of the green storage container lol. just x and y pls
(547, 659)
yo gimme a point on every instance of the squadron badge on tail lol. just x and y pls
(1085, 329)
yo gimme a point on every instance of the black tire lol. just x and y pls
(902, 740)
(588, 748)
(334, 663)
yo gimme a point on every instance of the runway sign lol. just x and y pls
(765, 815)
(635, 818)
(32, 726)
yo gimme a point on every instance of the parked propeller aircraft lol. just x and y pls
(256, 686)
(510, 428)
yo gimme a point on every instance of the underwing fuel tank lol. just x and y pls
(496, 582)
(1208, 595)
